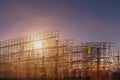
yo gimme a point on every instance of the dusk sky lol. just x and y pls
(83, 20)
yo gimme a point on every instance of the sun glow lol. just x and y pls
(37, 44)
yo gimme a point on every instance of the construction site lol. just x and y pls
(46, 56)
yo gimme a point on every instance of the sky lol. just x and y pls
(81, 20)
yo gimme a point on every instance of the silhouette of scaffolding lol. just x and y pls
(19, 59)
(91, 60)
(45, 56)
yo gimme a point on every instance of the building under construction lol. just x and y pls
(45, 56)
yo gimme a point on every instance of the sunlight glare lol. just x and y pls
(37, 45)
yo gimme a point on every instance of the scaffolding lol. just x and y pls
(45, 56)
(92, 60)
(35, 57)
